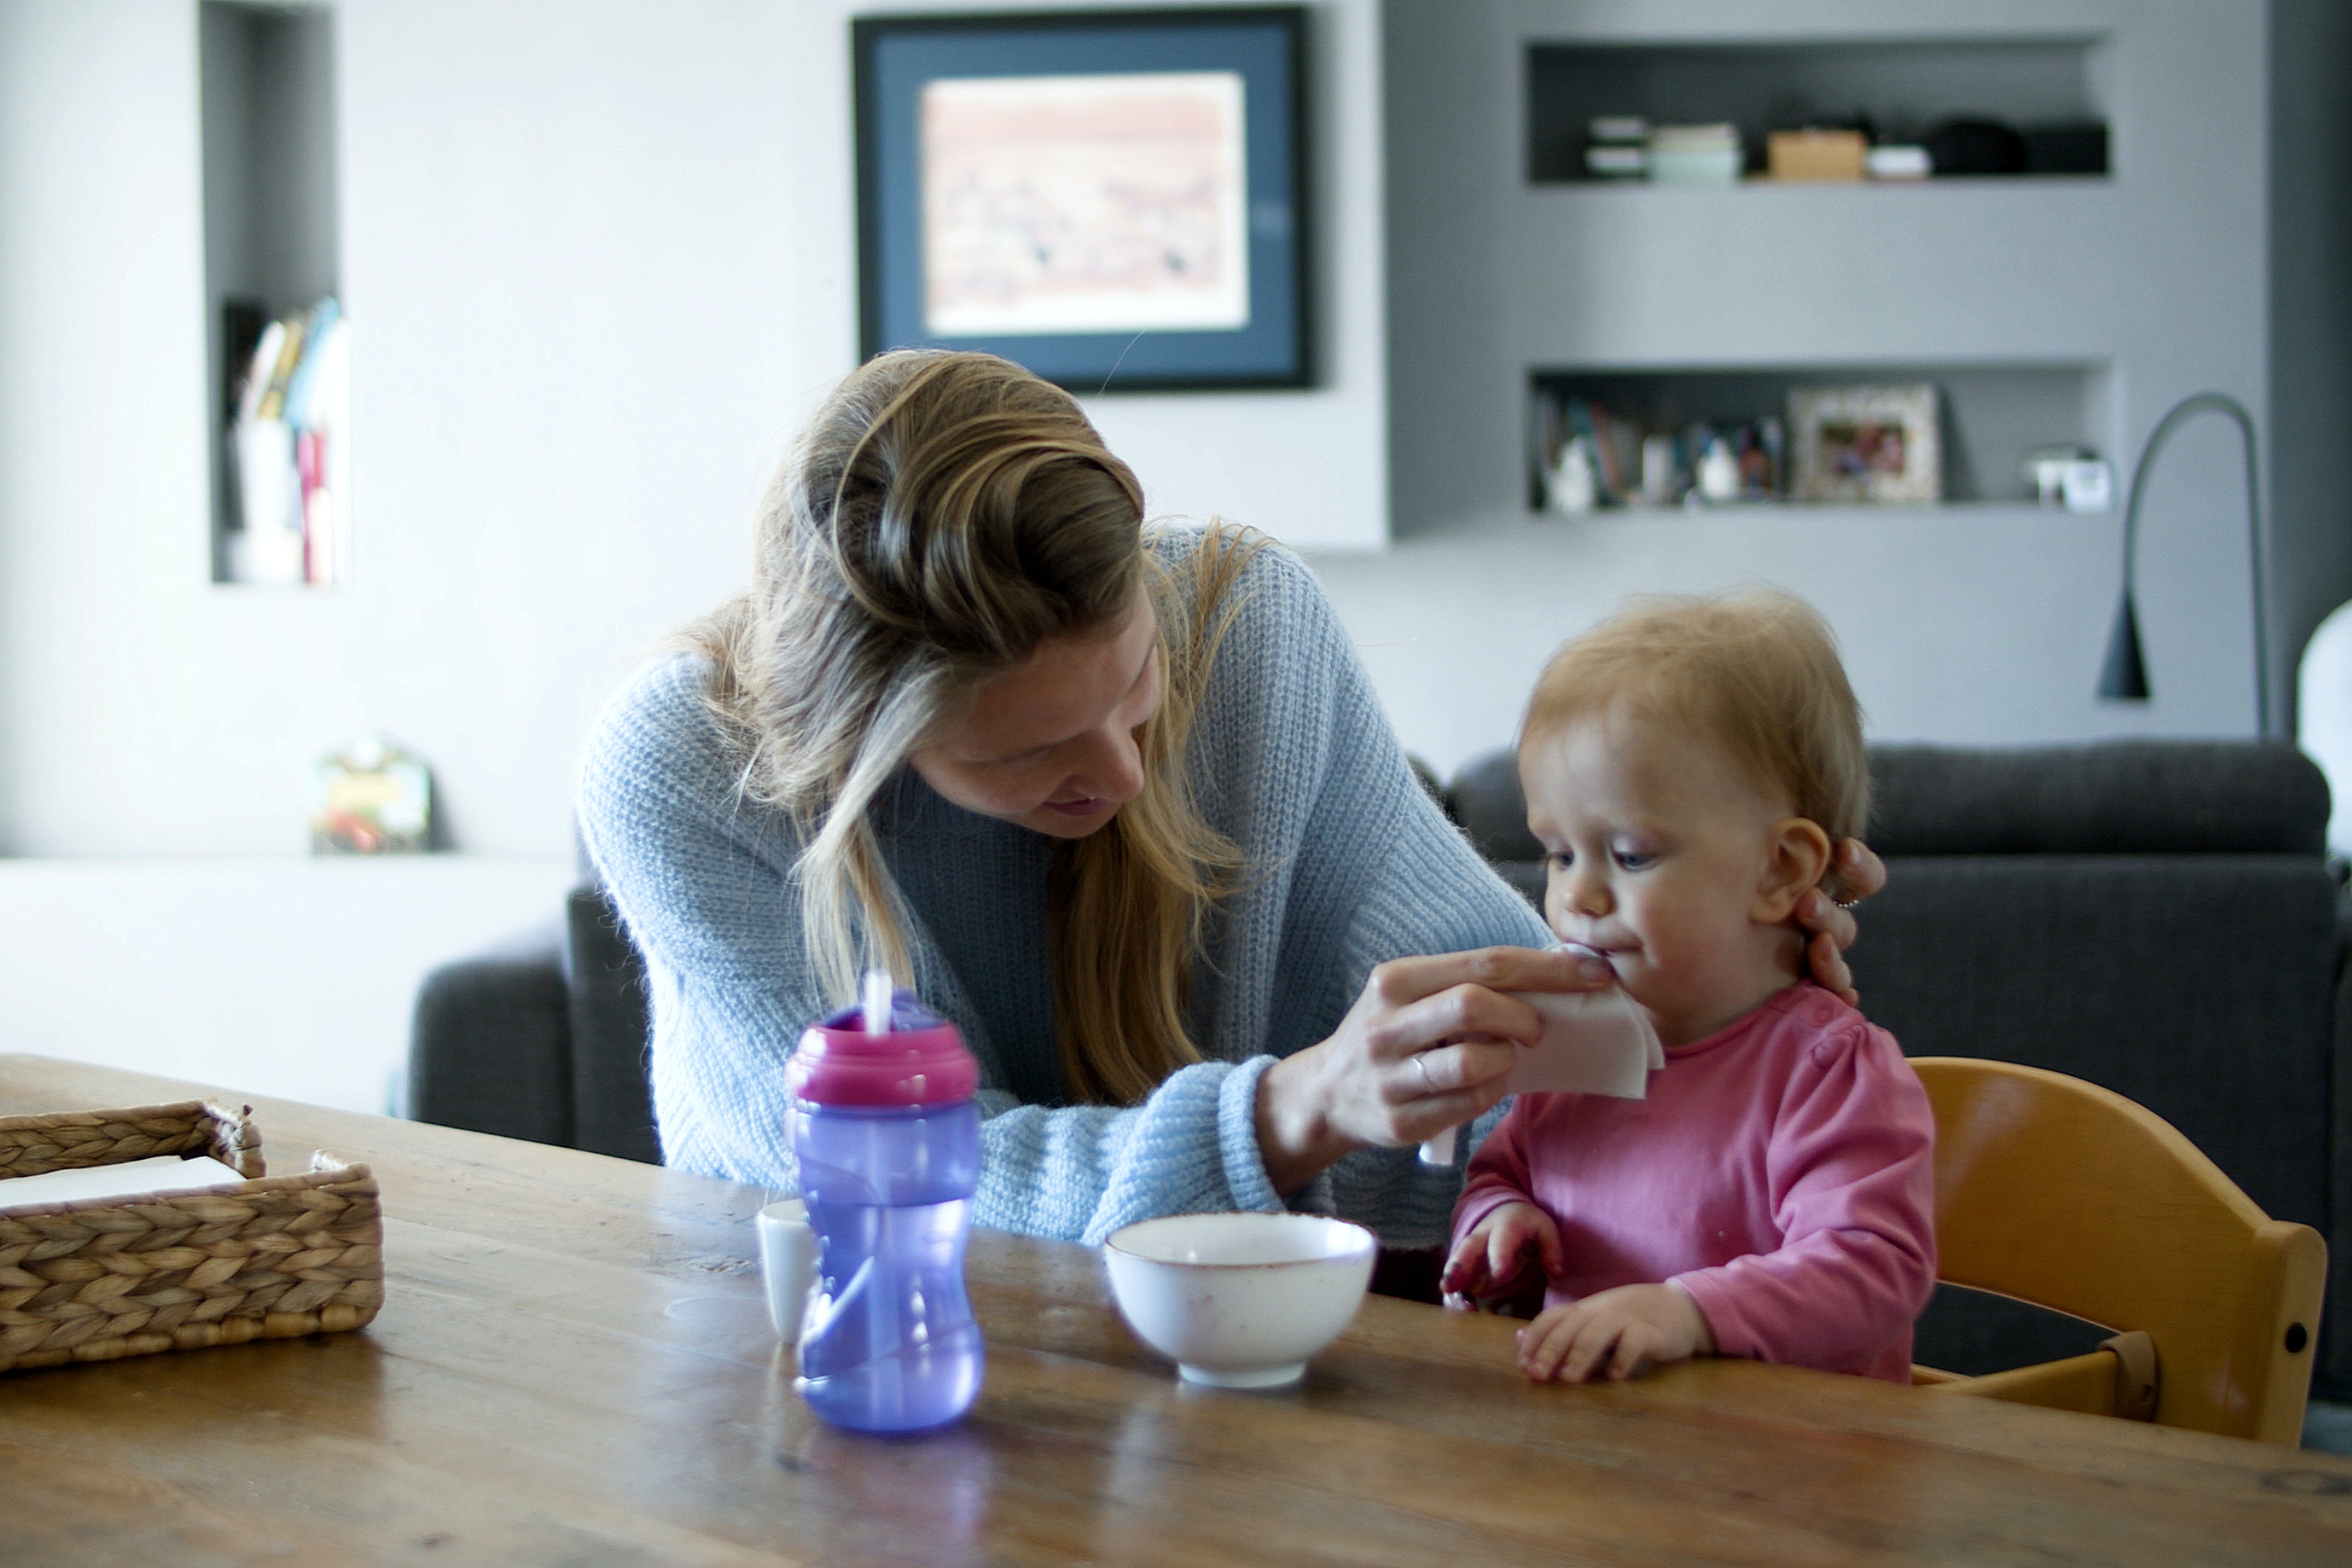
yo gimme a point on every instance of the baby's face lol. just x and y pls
(1657, 851)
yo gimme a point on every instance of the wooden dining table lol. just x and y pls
(573, 1366)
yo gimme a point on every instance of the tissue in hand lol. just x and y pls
(1594, 1042)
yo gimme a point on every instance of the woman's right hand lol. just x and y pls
(1426, 1046)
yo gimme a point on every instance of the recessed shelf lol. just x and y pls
(1903, 88)
(1989, 416)
(267, 81)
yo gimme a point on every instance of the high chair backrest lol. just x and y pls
(2066, 1195)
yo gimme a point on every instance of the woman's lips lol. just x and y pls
(1088, 806)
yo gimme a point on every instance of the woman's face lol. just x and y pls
(1051, 743)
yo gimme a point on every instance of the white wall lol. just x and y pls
(599, 258)
(276, 976)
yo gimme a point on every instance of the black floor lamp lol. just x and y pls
(2124, 676)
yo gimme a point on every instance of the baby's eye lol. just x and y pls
(1560, 860)
(1635, 859)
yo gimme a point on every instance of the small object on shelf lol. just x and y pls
(1573, 487)
(1898, 161)
(1811, 155)
(2045, 470)
(1718, 471)
(1662, 477)
(2079, 148)
(371, 798)
(1617, 147)
(1610, 161)
(2088, 485)
(286, 451)
(1696, 154)
(1875, 444)
(1974, 146)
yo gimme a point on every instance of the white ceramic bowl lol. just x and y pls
(1240, 1300)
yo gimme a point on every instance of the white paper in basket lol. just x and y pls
(1594, 1042)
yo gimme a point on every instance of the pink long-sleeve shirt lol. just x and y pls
(1780, 1172)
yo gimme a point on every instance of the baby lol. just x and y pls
(1688, 765)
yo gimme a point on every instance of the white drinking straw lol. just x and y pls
(875, 1002)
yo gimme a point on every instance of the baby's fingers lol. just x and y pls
(1464, 1270)
(1504, 1245)
(1544, 1341)
(1594, 1340)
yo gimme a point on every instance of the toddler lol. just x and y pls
(1688, 765)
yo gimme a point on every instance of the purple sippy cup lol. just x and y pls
(887, 1140)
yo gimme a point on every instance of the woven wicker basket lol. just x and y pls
(106, 1277)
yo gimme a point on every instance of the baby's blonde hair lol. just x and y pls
(1755, 675)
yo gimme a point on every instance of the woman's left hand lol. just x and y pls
(1830, 926)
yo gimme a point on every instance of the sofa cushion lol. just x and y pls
(2110, 797)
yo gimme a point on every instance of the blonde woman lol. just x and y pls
(1119, 802)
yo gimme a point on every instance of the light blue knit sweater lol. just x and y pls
(1349, 864)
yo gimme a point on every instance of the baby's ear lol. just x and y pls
(1799, 858)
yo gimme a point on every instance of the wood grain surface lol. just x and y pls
(573, 1366)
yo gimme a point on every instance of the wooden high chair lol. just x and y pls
(2063, 1195)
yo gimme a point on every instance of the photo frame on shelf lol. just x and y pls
(1872, 444)
(1117, 200)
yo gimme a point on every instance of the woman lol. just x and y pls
(1122, 805)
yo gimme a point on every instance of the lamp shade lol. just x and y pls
(2124, 676)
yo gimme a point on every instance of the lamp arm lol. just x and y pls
(2180, 412)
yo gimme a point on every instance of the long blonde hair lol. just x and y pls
(943, 515)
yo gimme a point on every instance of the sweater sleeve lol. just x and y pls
(1850, 1167)
(704, 880)
(1353, 865)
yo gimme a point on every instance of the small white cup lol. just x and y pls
(788, 1263)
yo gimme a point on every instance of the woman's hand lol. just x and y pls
(1425, 1048)
(1493, 1255)
(1618, 1332)
(1830, 926)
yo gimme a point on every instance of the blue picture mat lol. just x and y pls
(896, 56)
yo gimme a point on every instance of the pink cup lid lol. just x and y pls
(922, 1061)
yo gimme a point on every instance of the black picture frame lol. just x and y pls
(897, 56)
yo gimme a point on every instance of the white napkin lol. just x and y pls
(162, 1174)
(1594, 1042)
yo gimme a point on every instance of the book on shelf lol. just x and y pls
(287, 451)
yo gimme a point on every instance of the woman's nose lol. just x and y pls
(1113, 767)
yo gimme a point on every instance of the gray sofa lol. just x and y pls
(2158, 917)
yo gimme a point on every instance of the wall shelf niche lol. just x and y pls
(1903, 88)
(267, 83)
(1989, 418)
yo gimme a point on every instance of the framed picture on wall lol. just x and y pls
(1114, 199)
(1864, 444)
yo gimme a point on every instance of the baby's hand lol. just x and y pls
(1643, 1325)
(1492, 1254)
